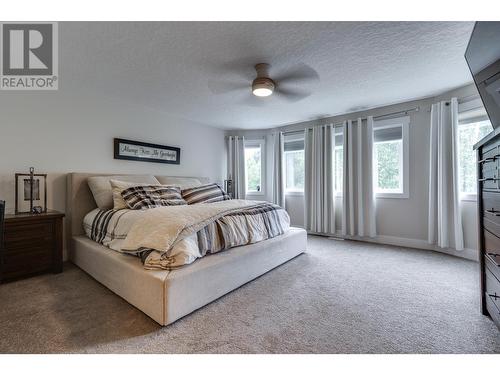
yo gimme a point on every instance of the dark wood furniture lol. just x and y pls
(488, 203)
(2, 212)
(33, 244)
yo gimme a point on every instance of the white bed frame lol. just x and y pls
(169, 295)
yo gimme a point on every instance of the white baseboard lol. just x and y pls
(470, 254)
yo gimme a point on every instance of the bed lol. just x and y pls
(168, 295)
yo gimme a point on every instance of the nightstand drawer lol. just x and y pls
(28, 247)
(32, 245)
(23, 234)
(16, 264)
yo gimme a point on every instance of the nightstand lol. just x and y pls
(32, 245)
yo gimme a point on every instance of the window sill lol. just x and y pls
(255, 193)
(468, 198)
(294, 193)
(392, 195)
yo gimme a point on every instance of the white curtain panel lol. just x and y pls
(358, 197)
(236, 165)
(319, 181)
(445, 217)
(348, 181)
(278, 170)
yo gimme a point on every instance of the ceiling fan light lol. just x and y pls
(262, 87)
(262, 91)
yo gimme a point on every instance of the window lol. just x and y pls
(294, 164)
(390, 157)
(254, 151)
(338, 160)
(473, 124)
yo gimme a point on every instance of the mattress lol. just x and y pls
(166, 296)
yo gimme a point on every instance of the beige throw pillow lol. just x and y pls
(101, 187)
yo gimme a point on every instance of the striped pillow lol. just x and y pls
(151, 196)
(204, 194)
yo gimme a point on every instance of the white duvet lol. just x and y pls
(166, 237)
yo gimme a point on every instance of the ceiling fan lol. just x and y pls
(284, 85)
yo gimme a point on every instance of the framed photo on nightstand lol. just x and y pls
(26, 191)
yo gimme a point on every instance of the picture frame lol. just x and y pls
(148, 152)
(23, 192)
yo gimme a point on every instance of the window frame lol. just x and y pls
(404, 123)
(468, 197)
(464, 109)
(292, 138)
(262, 144)
(338, 193)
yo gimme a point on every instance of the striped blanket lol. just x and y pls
(173, 236)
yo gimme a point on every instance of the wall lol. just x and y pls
(403, 221)
(67, 131)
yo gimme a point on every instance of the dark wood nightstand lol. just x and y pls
(32, 245)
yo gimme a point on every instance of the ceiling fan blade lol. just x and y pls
(224, 87)
(292, 95)
(241, 68)
(298, 73)
(253, 101)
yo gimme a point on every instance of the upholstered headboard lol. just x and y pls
(80, 200)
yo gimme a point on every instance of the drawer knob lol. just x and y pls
(493, 212)
(487, 160)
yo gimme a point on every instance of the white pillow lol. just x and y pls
(182, 182)
(101, 187)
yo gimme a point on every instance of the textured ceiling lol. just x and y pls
(168, 65)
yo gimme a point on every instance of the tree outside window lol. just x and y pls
(388, 162)
(294, 170)
(253, 168)
(468, 135)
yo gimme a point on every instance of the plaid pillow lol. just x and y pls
(205, 194)
(151, 196)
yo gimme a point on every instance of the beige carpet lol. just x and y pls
(340, 297)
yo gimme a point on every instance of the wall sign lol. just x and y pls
(141, 151)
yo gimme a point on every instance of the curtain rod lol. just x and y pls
(462, 100)
(405, 112)
(468, 98)
(247, 137)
